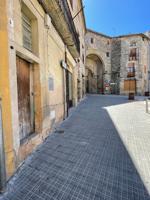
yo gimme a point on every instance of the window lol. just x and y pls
(131, 70)
(27, 32)
(29, 24)
(132, 44)
(107, 54)
(92, 40)
(108, 43)
(133, 54)
(83, 59)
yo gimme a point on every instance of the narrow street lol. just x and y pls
(101, 152)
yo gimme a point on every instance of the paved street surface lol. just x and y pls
(103, 154)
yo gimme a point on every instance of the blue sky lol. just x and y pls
(118, 17)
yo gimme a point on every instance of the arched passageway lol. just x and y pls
(94, 74)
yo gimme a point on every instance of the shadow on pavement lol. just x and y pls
(87, 161)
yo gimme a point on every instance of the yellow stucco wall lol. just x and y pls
(45, 59)
(5, 90)
(48, 52)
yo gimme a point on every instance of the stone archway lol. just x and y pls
(94, 74)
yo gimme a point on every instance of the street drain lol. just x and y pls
(59, 131)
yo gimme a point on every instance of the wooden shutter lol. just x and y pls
(133, 54)
(24, 107)
(130, 85)
(27, 32)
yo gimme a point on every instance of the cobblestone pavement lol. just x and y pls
(103, 154)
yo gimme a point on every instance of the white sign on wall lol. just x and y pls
(52, 114)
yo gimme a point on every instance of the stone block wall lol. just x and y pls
(116, 66)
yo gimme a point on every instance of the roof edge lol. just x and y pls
(98, 33)
(120, 36)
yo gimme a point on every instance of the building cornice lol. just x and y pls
(120, 36)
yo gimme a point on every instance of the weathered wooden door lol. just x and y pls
(130, 86)
(24, 84)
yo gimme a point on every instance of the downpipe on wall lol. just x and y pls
(2, 156)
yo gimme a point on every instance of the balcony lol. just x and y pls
(61, 17)
(131, 74)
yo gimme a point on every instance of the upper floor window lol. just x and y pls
(92, 40)
(27, 32)
(131, 70)
(133, 54)
(107, 54)
(133, 44)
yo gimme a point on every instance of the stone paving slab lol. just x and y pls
(95, 158)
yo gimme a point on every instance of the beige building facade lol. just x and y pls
(44, 51)
(119, 65)
(77, 12)
(135, 64)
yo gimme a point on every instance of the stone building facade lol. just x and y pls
(125, 63)
(41, 70)
(98, 62)
(135, 64)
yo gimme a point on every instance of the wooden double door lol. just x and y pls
(25, 97)
(130, 85)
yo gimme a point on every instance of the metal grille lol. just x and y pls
(27, 32)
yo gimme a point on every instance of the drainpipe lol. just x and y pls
(64, 83)
(67, 110)
(2, 156)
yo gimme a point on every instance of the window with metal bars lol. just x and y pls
(133, 54)
(27, 32)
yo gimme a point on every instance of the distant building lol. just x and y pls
(117, 65)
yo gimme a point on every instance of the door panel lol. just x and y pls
(130, 86)
(24, 101)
